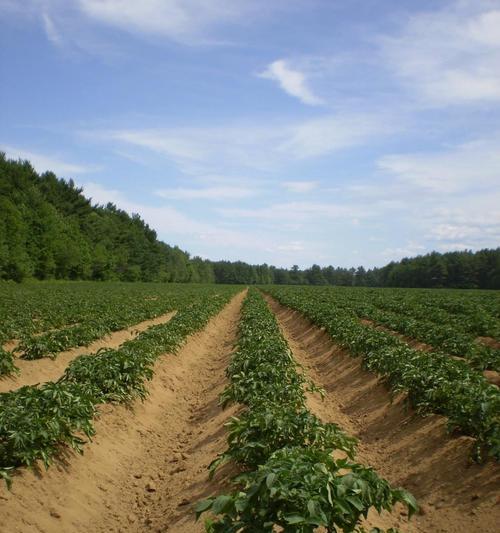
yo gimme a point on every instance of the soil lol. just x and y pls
(411, 451)
(46, 369)
(489, 341)
(147, 465)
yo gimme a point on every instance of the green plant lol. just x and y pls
(300, 489)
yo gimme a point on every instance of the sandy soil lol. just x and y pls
(489, 341)
(46, 369)
(147, 466)
(409, 450)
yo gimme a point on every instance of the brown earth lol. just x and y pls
(147, 465)
(411, 451)
(489, 341)
(46, 369)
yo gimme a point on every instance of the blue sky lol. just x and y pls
(340, 132)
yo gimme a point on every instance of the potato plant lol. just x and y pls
(38, 422)
(290, 479)
(434, 382)
(7, 365)
(51, 317)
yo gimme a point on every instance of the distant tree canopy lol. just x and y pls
(50, 230)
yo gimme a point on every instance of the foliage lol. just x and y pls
(50, 317)
(36, 422)
(7, 365)
(257, 433)
(290, 478)
(50, 230)
(434, 382)
(301, 489)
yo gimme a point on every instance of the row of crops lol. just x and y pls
(449, 322)
(289, 479)
(36, 422)
(432, 381)
(52, 317)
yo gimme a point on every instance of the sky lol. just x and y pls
(344, 132)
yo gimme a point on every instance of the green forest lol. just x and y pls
(50, 230)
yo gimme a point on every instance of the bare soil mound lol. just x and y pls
(147, 465)
(411, 451)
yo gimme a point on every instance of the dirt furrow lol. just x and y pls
(46, 369)
(409, 450)
(147, 465)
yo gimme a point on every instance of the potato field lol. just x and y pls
(137, 407)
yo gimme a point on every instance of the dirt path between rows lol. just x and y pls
(46, 369)
(409, 450)
(147, 466)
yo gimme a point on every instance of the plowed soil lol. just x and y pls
(147, 465)
(46, 369)
(409, 450)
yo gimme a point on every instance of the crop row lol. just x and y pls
(421, 323)
(31, 308)
(36, 422)
(106, 319)
(433, 382)
(470, 312)
(290, 479)
(442, 336)
(115, 307)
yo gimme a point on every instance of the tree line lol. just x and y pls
(50, 230)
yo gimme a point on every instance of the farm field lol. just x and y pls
(134, 406)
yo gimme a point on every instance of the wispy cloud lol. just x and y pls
(189, 22)
(208, 193)
(410, 249)
(254, 146)
(174, 226)
(451, 56)
(186, 21)
(50, 29)
(292, 81)
(300, 187)
(293, 212)
(462, 168)
(44, 162)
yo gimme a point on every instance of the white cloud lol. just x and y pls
(233, 147)
(330, 133)
(298, 212)
(292, 81)
(409, 250)
(474, 220)
(173, 227)
(189, 22)
(300, 187)
(184, 21)
(461, 168)
(450, 56)
(50, 29)
(293, 246)
(209, 193)
(44, 162)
